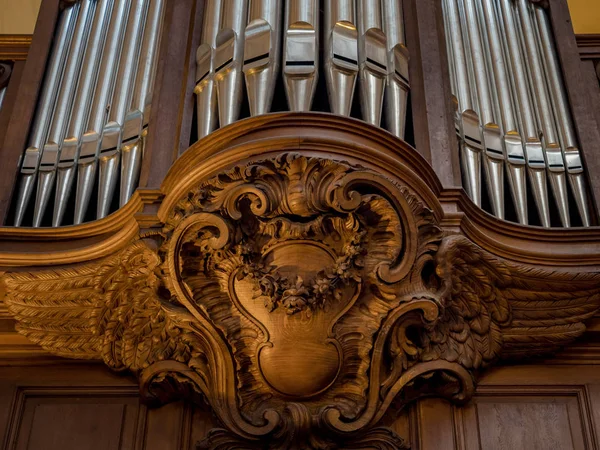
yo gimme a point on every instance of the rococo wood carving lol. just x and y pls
(302, 297)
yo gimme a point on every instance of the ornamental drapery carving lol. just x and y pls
(301, 298)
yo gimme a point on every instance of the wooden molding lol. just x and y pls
(302, 273)
(14, 47)
(589, 46)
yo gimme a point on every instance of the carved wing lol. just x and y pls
(493, 308)
(109, 310)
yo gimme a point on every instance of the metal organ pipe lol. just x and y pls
(206, 88)
(372, 59)
(566, 130)
(91, 140)
(341, 54)
(41, 123)
(112, 134)
(494, 157)
(525, 109)
(262, 46)
(136, 121)
(62, 110)
(471, 136)
(229, 59)
(551, 144)
(301, 52)
(398, 85)
(69, 154)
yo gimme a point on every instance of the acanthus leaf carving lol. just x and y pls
(301, 298)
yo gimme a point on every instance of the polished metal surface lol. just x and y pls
(138, 116)
(571, 154)
(301, 52)
(206, 88)
(398, 85)
(372, 60)
(41, 122)
(525, 111)
(91, 139)
(341, 54)
(229, 60)
(494, 156)
(110, 147)
(262, 53)
(69, 154)
(62, 109)
(511, 137)
(551, 144)
(468, 123)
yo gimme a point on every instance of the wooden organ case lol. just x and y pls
(300, 224)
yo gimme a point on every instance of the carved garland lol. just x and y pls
(301, 297)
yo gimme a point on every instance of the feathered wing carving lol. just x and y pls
(107, 310)
(492, 308)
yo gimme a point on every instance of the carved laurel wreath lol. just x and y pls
(294, 265)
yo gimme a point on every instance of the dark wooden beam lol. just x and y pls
(17, 131)
(435, 136)
(171, 118)
(578, 90)
(10, 98)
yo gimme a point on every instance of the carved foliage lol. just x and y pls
(302, 297)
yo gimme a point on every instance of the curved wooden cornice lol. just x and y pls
(14, 47)
(303, 274)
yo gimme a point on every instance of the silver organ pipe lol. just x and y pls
(229, 60)
(262, 53)
(112, 134)
(468, 123)
(136, 121)
(511, 138)
(572, 157)
(301, 52)
(62, 110)
(341, 54)
(91, 140)
(525, 109)
(398, 85)
(41, 123)
(494, 157)
(206, 88)
(69, 154)
(551, 145)
(372, 59)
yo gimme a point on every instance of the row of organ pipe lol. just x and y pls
(92, 115)
(246, 40)
(512, 111)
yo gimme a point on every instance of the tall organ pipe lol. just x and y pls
(62, 110)
(112, 134)
(398, 86)
(566, 130)
(301, 52)
(229, 60)
(262, 46)
(554, 157)
(91, 139)
(45, 107)
(494, 157)
(468, 120)
(372, 59)
(206, 88)
(341, 54)
(136, 121)
(525, 109)
(511, 139)
(69, 154)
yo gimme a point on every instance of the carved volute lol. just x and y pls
(302, 287)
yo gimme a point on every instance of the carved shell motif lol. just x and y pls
(301, 297)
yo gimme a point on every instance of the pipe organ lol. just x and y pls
(512, 114)
(87, 139)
